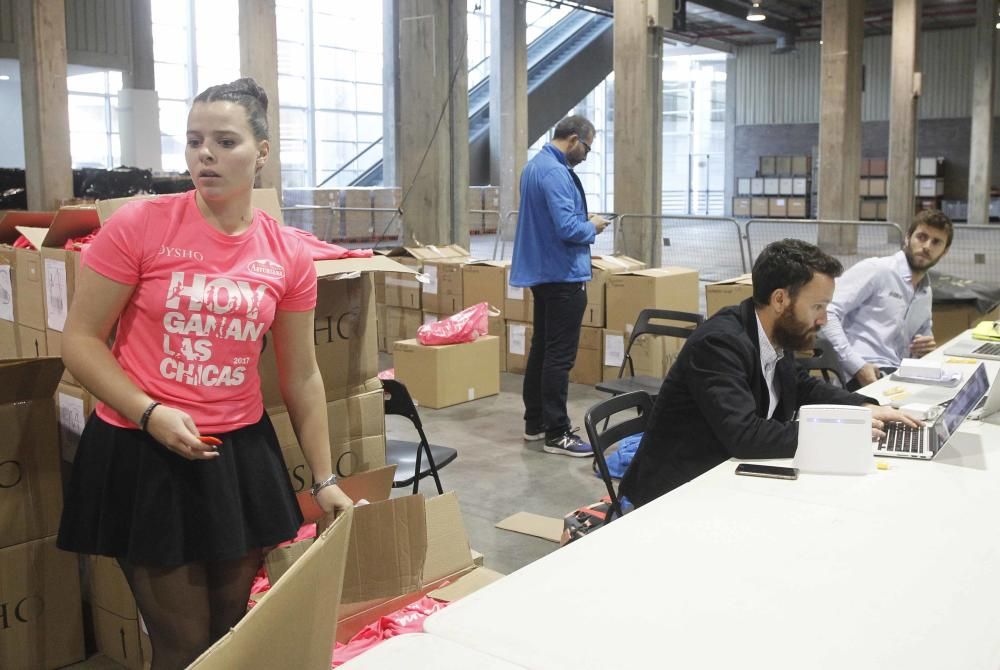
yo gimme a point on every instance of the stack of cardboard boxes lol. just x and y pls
(41, 624)
(779, 190)
(928, 186)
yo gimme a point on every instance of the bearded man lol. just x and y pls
(735, 389)
(881, 309)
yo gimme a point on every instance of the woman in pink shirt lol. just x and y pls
(179, 474)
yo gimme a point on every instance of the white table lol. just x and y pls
(744, 572)
(425, 652)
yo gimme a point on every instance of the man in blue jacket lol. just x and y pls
(552, 258)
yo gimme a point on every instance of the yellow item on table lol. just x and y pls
(987, 330)
(956, 361)
(882, 466)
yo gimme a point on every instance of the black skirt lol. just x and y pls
(131, 498)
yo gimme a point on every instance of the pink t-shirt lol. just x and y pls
(192, 333)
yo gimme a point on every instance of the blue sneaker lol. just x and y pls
(568, 444)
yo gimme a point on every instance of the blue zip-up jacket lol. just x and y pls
(553, 238)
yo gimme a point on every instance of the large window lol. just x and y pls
(196, 44)
(93, 116)
(330, 87)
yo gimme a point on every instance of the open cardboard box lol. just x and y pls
(21, 296)
(400, 550)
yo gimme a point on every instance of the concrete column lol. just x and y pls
(638, 63)
(41, 49)
(730, 188)
(840, 120)
(259, 59)
(983, 83)
(905, 89)
(390, 91)
(138, 102)
(432, 146)
(508, 100)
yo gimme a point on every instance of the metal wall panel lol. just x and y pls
(8, 48)
(784, 89)
(98, 33)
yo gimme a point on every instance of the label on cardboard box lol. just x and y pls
(515, 292)
(6, 294)
(516, 339)
(431, 272)
(71, 423)
(614, 349)
(55, 294)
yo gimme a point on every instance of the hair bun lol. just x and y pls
(248, 86)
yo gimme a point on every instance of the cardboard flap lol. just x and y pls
(105, 208)
(616, 263)
(387, 549)
(547, 528)
(371, 485)
(293, 625)
(34, 235)
(71, 222)
(746, 279)
(29, 379)
(376, 263)
(466, 584)
(12, 220)
(488, 262)
(428, 252)
(448, 548)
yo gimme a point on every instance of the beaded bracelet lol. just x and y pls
(145, 415)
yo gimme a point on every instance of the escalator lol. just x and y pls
(565, 63)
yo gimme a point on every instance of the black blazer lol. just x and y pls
(713, 406)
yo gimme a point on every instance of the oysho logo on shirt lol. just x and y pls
(268, 268)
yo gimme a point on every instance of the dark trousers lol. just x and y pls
(558, 314)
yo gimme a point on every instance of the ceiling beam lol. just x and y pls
(726, 12)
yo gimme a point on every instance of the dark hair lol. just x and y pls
(573, 125)
(789, 264)
(246, 93)
(933, 218)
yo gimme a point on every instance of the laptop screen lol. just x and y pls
(965, 400)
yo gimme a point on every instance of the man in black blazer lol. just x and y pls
(735, 389)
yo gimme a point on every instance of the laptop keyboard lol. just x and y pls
(903, 439)
(988, 349)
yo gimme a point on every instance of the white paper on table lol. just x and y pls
(71, 422)
(515, 292)
(431, 272)
(55, 294)
(614, 350)
(516, 339)
(6, 294)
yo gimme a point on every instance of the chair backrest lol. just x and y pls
(646, 324)
(294, 624)
(398, 402)
(824, 360)
(601, 441)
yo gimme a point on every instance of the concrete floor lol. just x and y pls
(497, 474)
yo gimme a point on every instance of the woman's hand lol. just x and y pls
(176, 431)
(332, 500)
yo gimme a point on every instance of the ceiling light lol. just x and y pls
(6, 77)
(755, 13)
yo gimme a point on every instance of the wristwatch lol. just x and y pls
(319, 486)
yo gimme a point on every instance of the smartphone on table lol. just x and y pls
(771, 471)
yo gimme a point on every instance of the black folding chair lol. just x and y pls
(601, 441)
(406, 455)
(644, 326)
(824, 361)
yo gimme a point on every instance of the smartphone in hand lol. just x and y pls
(770, 471)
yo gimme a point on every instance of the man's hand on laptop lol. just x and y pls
(885, 415)
(922, 345)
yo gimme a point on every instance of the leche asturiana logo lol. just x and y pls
(268, 268)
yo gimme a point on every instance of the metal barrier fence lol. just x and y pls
(974, 254)
(711, 244)
(604, 244)
(866, 239)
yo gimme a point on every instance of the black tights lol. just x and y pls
(187, 608)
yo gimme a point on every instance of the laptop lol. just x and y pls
(988, 350)
(926, 441)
